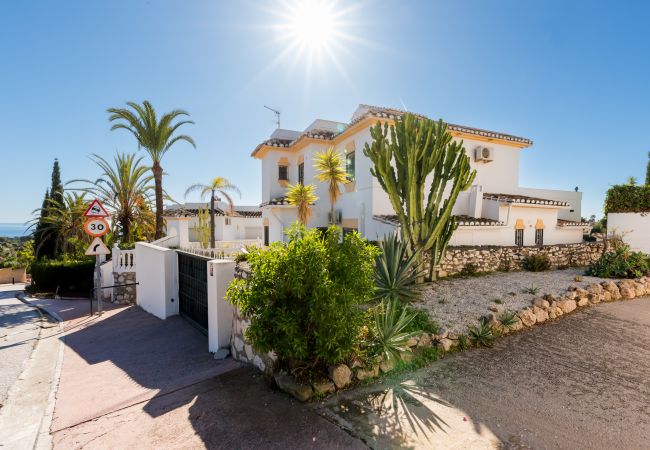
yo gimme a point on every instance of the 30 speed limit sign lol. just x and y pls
(96, 227)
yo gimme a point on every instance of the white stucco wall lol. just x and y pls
(157, 275)
(633, 227)
(220, 311)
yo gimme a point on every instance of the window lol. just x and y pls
(519, 238)
(266, 235)
(283, 173)
(227, 220)
(349, 166)
(539, 237)
(348, 230)
(301, 173)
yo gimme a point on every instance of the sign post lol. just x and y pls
(96, 227)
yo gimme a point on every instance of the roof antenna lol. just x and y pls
(277, 115)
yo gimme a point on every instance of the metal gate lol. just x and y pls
(193, 288)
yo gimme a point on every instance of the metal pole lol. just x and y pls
(98, 284)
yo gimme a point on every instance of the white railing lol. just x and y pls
(123, 260)
(222, 249)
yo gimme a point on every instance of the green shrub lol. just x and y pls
(395, 271)
(469, 270)
(302, 297)
(538, 262)
(621, 263)
(627, 199)
(421, 322)
(70, 277)
(390, 329)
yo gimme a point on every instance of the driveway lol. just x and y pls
(580, 382)
(130, 380)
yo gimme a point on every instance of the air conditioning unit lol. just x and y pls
(336, 218)
(483, 154)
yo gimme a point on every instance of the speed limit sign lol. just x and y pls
(96, 227)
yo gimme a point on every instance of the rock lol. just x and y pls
(541, 314)
(595, 289)
(593, 298)
(527, 317)
(412, 342)
(581, 293)
(364, 374)
(554, 312)
(406, 356)
(442, 333)
(541, 303)
(323, 387)
(571, 294)
(222, 353)
(257, 362)
(607, 296)
(302, 392)
(387, 365)
(239, 344)
(567, 305)
(425, 341)
(639, 289)
(627, 292)
(249, 352)
(341, 375)
(496, 308)
(356, 363)
(582, 302)
(445, 344)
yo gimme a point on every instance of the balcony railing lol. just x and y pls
(123, 260)
(223, 249)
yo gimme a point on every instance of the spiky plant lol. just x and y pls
(156, 136)
(409, 156)
(396, 271)
(508, 320)
(532, 290)
(303, 197)
(463, 342)
(481, 335)
(390, 325)
(329, 169)
(218, 185)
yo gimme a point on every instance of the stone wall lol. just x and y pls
(126, 294)
(491, 258)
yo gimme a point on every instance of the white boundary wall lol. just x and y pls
(157, 275)
(220, 311)
(633, 227)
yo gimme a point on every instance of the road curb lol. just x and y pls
(43, 439)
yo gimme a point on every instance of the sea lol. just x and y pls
(13, 229)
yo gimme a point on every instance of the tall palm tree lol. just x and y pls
(329, 169)
(125, 188)
(155, 136)
(218, 185)
(303, 197)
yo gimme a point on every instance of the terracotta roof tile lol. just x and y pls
(463, 221)
(523, 199)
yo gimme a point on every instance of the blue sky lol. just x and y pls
(571, 76)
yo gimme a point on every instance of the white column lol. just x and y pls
(220, 311)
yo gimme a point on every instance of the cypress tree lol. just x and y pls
(647, 172)
(39, 244)
(46, 245)
(56, 191)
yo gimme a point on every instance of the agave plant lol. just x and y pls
(508, 319)
(482, 335)
(396, 271)
(390, 325)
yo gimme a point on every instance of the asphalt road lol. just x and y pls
(19, 329)
(580, 382)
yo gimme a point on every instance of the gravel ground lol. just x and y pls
(458, 303)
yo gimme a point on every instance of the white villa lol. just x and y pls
(494, 211)
(243, 223)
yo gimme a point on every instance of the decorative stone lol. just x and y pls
(554, 312)
(341, 375)
(541, 303)
(639, 289)
(364, 374)
(527, 317)
(387, 365)
(541, 314)
(495, 308)
(627, 292)
(412, 342)
(443, 333)
(222, 353)
(257, 362)
(249, 351)
(582, 302)
(406, 356)
(289, 385)
(323, 387)
(567, 305)
(445, 344)
(425, 341)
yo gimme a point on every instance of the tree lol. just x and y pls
(303, 197)
(631, 181)
(218, 185)
(39, 240)
(63, 224)
(407, 156)
(124, 188)
(46, 246)
(155, 136)
(329, 168)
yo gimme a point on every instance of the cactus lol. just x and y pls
(404, 155)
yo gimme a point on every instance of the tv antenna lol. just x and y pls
(277, 115)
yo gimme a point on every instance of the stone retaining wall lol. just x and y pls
(492, 258)
(126, 294)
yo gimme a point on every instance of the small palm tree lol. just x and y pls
(219, 185)
(329, 169)
(155, 136)
(303, 197)
(64, 222)
(125, 188)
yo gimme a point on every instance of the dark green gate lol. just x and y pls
(193, 288)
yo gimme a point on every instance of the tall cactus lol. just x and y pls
(408, 155)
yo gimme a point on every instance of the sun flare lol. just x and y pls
(312, 24)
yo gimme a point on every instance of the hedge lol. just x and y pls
(627, 199)
(70, 277)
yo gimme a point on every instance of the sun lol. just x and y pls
(312, 24)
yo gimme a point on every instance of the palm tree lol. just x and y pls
(64, 222)
(219, 185)
(155, 136)
(125, 188)
(303, 197)
(329, 168)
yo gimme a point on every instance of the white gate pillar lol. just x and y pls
(220, 311)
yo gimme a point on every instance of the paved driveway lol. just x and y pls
(19, 329)
(581, 382)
